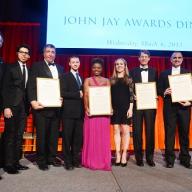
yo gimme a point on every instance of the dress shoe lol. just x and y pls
(69, 167)
(187, 165)
(43, 167)
(123, 164)
(11, 170)
(151, 163)
(77, 165)
(140, 163)
(21, 167)
(169, 165)
(117, 163)
(55, 163)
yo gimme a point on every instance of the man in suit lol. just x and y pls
(72, 114)
(15, 106)
(1, 76)
(175, 114)
(46, 118)
(144, 74)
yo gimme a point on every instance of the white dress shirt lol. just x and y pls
(144, 74)
(53, 70)
(74, 74)
(176, 70)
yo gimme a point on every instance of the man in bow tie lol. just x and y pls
(175, 114)
(143, 74)
(46, 118)
(16, 109)
(72, 114)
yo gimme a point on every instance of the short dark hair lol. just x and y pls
(49, 46)
(73, 56)
(24, 46)
(144, 52)
(97, 60)
(176, 52)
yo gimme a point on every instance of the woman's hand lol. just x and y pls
(129, 113)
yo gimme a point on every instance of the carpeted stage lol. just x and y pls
(129, 179)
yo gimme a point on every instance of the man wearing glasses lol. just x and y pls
(16, 108)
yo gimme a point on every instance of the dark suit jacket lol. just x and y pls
(136, 75)
(2, 70)
(164, 83)
(13, 91)
(72, 103)
(40, 69)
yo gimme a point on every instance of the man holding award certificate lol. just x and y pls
(144, 109)
(44, 95)
(176, 89)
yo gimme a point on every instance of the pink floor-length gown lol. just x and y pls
(96, 152)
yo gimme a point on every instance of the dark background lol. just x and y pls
(23, 10)
(35, 11)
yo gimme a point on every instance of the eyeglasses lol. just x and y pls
(23, 52)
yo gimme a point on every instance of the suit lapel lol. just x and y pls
(138, 75)
(73, 79)
(18, 68)
(47, 70)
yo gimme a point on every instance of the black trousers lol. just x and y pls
(148, 117)
(1, 150)
(13, 135)
(72, 140)
(47, 129)
(176, 116)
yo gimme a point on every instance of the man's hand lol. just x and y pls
(36, 105)
(81, 94)
(167, 91)
(8, 113)
(185, 103)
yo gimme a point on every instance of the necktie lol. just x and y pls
(144, 69)
(24, 75)
(78, 80)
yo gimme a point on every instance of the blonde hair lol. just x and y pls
(126, 78)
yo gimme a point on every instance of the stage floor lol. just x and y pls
(129, 179)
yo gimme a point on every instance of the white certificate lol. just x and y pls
(48, 92)
(100, 100)
(146, 95)
(181, 87)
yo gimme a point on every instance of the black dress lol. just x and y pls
(122, 96)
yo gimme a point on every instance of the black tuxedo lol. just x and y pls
(1, 108)
(14, 97)
(47, 119)
(174, 114)
(146, 116)
(72, 115)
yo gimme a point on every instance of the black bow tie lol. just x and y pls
(142, 69)
(53, 64)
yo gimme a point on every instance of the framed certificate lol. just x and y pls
(146, 94)
(100, 100)
(48, 92)
(181, 87)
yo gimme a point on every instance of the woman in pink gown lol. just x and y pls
(96, 152)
